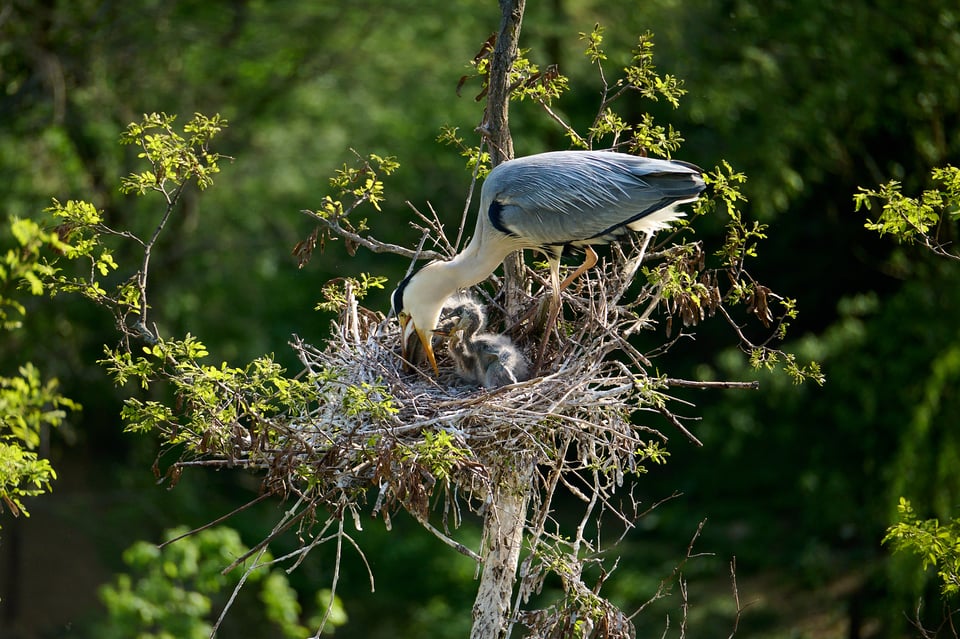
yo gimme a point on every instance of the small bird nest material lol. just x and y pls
(404, 432)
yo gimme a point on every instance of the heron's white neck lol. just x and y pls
(476, 261)
(434, 283)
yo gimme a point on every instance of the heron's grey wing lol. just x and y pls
(584, 196)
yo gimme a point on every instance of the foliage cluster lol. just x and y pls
(937, 544)
(175, 162)
(170, 590)
(29, 405)
(925, 219)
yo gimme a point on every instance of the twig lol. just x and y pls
(216, 521)
(283, 526)
(236, 591)
(456, 545)
(670, 417)
(736, 597)
(663, 586)
(433, 229)
(371, 244)
(569, 130)
(335, 582)
(469, 199)
(686, 383)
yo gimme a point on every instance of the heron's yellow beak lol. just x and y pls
(428, 348)
(407, 345)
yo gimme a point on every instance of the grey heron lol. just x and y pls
(487, 359)
(548, 202)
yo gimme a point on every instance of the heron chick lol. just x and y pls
(499, 361)
(547, 202)
(487, 359)
(461, 318)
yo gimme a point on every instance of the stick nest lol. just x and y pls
(403, 433)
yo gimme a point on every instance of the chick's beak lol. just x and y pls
(449, 328)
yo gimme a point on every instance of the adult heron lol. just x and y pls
(548, 202)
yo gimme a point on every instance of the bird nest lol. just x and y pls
(402, 431)
(374, 434)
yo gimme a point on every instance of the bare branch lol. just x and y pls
(217, 521)
(236, 591)
(670, 417)
(456, 545)
(736, 597)
(371, 244)
(686, 383)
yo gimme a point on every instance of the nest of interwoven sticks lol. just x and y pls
(406, 432)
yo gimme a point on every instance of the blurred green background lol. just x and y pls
(809, 98)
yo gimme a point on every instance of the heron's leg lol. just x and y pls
(532, 316)
(554, 303)
(548, 328)
(589, 261)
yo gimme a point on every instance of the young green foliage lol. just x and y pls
(362, 183)
(219, 410)
(171, 591)
(373, 400)
(22, 474)
(937, 544)
(337, 292)
(437, 452)
(27, 403)
(176, 160)
(353, 186)
(22, 268)
(915, 219)
(477, 159)
(644, 136)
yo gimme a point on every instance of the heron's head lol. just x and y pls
(417, 303)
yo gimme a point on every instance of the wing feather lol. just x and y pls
(583, 197)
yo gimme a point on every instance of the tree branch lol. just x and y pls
(369, 243)
(512, 475)
(686, 383)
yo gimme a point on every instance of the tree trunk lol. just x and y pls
(497, 124)
(503, 528)
(511, 474)
(498, 89)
